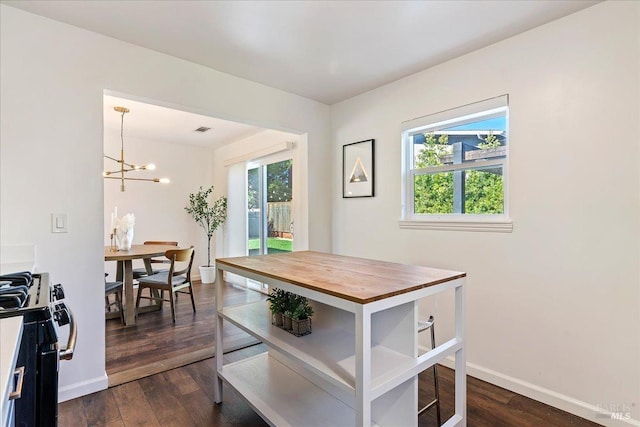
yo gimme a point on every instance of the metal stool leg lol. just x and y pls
(435, 402)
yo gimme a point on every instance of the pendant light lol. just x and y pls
(128, 167)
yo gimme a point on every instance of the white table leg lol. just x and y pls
(219, 335)
(461, 365)
(363, 366)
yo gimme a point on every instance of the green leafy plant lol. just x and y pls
(278, 300)
(299, 308)
(491, 141)
(208, 216)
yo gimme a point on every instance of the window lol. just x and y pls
(455, 168)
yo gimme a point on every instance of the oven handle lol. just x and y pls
(17, 394)
(67, 352)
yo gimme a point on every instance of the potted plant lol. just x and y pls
(278, 300)
(209, 217)
(298, 316)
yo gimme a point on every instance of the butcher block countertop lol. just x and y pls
(355, 279)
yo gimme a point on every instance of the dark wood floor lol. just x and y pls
(184, 396)
(156, 345)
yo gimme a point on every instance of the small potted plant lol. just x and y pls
(278, 300)
(210, 217)
(299, 316)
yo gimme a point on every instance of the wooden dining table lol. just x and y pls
(124, 273)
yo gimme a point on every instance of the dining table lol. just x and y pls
(124, 273)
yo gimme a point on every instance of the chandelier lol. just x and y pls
(128, 167)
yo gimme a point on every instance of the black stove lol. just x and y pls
(32, 297)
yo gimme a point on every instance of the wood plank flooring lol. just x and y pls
(184, 397)
(155, 344)
(152, 394)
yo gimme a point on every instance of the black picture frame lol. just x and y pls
(358, 163)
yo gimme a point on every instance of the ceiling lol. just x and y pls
(323, 50)
(161, 124)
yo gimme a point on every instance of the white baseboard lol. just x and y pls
(541, 394)
(83, 388)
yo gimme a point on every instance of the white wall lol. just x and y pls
(553, 307)
(158, 208)
(52, 78)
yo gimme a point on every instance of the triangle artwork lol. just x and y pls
(359, 173)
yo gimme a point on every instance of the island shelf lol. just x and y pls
(359, 366)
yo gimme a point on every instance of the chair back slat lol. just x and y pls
(157, 242)
(180, 255)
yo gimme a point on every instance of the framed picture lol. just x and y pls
(357, 169)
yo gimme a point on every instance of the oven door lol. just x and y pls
(40, 355)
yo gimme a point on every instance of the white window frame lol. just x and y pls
(433, 122)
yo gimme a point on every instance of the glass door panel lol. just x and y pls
(254, 212)
(279, 203)
(269, 208)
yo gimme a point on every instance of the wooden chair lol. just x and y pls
(113, 288)
(141, 272)
(174, 280)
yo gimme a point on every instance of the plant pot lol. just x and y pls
(301, 327)
(208, 274)
(278, 319)
(286, 323)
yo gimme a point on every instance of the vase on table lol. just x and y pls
(124, 239)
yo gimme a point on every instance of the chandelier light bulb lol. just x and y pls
(150, 167)
(164, 181)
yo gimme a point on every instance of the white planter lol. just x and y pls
(208, 274)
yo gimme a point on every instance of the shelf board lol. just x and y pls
(282, 397)
(329, 353)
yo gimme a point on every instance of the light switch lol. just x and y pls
(59, 223)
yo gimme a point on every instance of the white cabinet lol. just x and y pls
(359, 365)
(10, 377)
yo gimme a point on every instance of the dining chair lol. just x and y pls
(141, 272)
(113, 288)
(422, 327)
(174, 280)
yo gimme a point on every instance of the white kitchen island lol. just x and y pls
(359, 365)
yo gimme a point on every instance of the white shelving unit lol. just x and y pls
(359, 366)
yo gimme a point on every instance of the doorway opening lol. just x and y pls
(130, 353)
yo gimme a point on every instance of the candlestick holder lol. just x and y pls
(113, 247)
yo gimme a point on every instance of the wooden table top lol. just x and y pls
(355, 279)
(137, 252)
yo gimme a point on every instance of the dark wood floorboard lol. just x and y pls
(184, 396)
(155, 344)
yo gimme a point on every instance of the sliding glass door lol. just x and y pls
(269, 207)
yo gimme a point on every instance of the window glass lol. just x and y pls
(457, 165)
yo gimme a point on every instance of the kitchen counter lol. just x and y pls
(360, 365)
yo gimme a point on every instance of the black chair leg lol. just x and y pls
(173, 308)
(193, 302)
(138, 300)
